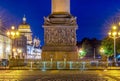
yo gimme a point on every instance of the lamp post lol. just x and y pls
(51, 58)
(81, 53)
(114, 33)
(94, 54)
(102, 53)
(102, 50)
(13, 33)
(19, 53)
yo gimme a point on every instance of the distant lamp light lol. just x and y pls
(114, 27)
(13, 33)
(102, 50)
(13, 49)
(119, 23)
(17, 33)
(19, 50)
(119, 33)
(109, 33)
(114, 33)
(8, 33)
(12, 27)
(80, 51)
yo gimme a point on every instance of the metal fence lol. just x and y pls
(22, 64)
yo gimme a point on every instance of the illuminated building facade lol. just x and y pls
(5, 47)
(5, 44)
(25, 30)
(20, 47)
(32, 52)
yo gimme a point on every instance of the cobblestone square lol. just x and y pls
(59, 75)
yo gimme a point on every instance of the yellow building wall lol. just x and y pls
(5, 47)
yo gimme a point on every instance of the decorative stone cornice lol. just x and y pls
(62, 19)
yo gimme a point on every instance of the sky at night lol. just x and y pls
(91, 15)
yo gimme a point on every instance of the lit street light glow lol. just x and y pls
(114, 33)
(13, 34)
(102, 50)
(82, 53)
(114, 27)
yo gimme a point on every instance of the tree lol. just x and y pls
(90, 46)
(107, 45)
(118, 45)
(82, 53)
(87, 47)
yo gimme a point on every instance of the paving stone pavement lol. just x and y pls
(75, 78)
(61, 75)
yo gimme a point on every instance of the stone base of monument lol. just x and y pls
(60, 34)
(59, 53)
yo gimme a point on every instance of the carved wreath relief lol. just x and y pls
(60, 36)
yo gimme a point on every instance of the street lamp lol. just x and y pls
(13, 33)
(102, 50)
(19, 53)
(114, 33)
(82, 53)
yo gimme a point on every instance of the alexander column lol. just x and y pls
(60, 6)
(60, 33)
